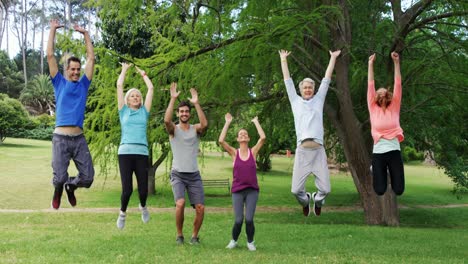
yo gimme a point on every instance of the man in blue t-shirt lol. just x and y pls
(68, 141)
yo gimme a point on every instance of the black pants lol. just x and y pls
(392, 162)
(128, 164)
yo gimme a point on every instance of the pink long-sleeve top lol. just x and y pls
(385, 124)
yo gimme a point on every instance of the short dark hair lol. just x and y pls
(73, 58)
(184, 103)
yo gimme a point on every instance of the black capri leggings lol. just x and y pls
(128, 164)
(394, 163)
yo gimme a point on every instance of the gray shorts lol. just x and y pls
(190, 181)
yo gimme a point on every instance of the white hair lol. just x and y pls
(301, 84)
(130, 92)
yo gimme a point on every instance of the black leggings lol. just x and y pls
(128, 164)
(393, 162)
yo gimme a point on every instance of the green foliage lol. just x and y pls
(38, 95)
(13, 116)
(33, 62)
(11, 79)
(228, 51)
(411, 154)
(126, 30)
(41, 127)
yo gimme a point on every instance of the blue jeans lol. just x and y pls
(65, 148)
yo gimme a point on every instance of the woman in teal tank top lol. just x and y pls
(133, 149)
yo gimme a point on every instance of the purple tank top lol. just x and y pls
(244, 173)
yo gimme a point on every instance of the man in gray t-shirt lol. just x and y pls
(184, 139)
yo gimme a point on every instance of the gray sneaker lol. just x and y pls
(145, 217)
(121, 220)
(195, 241)
(180, 240)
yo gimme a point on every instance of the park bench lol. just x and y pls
(218, 183)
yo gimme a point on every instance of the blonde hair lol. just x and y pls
(301, 84)
(130, 92)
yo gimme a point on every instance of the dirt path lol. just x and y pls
(263, 209)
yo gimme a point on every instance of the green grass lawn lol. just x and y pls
(426, 235)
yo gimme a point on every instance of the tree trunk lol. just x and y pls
(42, 39)
(377, 211)
(24, 30)
(153, 167)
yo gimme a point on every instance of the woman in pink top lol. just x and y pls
(244, 183)
(384, 111)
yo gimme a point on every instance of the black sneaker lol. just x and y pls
(195, 241)
(180, 240)
(57, 198)
(317, 207)
(70, 189)
(306, 209)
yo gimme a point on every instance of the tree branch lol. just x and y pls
(205, 50)
(435, 18)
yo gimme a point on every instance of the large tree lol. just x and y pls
(228, 50)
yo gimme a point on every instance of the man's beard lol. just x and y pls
(184, 121)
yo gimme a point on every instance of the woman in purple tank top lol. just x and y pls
(244, 183)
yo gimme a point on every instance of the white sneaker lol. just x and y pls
(251, 246)
(121, 220)
(145, 217)
(232, 244)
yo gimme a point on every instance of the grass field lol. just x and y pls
(429, 232)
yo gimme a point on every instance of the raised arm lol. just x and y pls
(200, 127)
(170, 126)
(53, 68)
(331, 63)
(149, 85)
(370, 69)
(89, 68)
(222, 136)
(370, 81)
(397, 77)
(120, 82)
(284, 63)
(262, 138)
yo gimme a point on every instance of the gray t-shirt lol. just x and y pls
(185, 145)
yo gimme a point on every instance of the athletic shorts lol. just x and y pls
(190, 181)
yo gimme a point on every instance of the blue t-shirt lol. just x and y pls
(133, 124)
(70, 100)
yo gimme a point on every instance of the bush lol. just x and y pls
(41, 127)
(13, 116)
(411, 154)
(36, 133)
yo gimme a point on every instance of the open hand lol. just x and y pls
(54, 24)
(284, 54)
(76, 27)
(194, 99)
(173, 89)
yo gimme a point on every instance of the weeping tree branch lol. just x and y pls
(205, 50)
